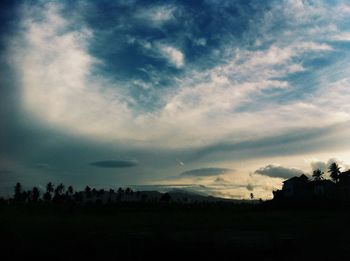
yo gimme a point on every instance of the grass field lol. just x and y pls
(174, 232)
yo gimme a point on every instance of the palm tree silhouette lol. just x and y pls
(35, 194)
(334, 171)
(128, 191)
(317, 174)
(58, 193)
(60, 189)
(18, 192)
(49, 190)
(70, 190)
(49, 187)
(88, 192)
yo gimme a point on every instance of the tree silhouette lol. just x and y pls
(317, 174)
(70, 191)
(18, 192)
(26, 195)
(128, 191)
(49, 187)
(47, 196)
(49, 190)
(35, 194)
(88, 192)
(58, 193)
(334, 171)
(59, 189)
(120, 192)
(111, 192)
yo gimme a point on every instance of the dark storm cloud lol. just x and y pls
(276, 171)
(203, 172)
(115, 163)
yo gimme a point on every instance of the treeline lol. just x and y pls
(60, 194)
(334, 173)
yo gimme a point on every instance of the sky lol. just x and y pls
(224, 98)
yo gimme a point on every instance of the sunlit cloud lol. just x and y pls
(174, 56)
(203, 172)
(273, 170)
(157, 15)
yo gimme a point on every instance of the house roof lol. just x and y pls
(347, 172)
(344, 177)
(301, 178)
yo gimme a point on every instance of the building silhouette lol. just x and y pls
(303, 188)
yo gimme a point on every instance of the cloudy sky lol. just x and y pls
(220, 97)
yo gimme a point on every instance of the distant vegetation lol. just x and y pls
(62, 195)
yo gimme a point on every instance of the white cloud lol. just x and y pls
(234, 184)
(157, 15)
(55, 70)
(174, 55)
(200, 42)
(344, 36)
(207, 106)
(343, 10)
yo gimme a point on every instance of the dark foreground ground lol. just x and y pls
(237, 232)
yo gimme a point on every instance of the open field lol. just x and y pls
(228, 233)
